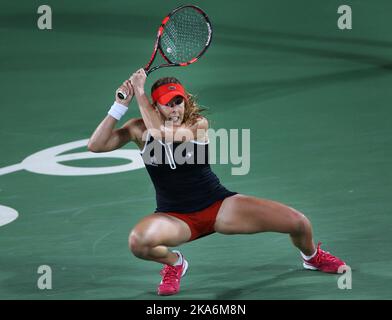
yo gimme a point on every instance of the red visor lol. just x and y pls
(164, 93)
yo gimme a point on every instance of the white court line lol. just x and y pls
(10, 169)
(7, 215)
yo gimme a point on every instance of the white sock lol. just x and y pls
(179, 261)
(308, 257)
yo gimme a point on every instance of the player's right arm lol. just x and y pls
(105, 137)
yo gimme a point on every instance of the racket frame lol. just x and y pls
(158, 48)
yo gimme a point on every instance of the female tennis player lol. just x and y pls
(191, 201)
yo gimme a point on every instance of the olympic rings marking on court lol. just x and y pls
(7, 215)
(47, 161)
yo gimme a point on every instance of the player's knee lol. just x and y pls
(139, 244)
(301, 224)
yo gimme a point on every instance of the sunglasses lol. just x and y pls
(175, 102)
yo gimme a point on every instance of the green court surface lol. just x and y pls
(317, 101)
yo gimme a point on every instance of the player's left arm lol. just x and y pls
(151, 118)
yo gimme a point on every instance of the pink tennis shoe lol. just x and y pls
(171, 277)
(323, 261)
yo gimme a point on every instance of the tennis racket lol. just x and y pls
(183, 37)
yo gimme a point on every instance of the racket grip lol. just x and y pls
(122, 95)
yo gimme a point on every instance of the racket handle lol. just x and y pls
(122, 95)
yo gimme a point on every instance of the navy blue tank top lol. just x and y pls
(182, 176)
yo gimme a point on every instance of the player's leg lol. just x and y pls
(152, 236)
(245, 214)
(150, 240)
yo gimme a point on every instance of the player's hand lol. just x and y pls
(138, 79)
(126, 87)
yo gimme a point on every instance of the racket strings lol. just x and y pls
(185, 35)
(170, 41)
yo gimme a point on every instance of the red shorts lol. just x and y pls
(200, 222)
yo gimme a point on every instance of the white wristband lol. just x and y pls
(117, 110)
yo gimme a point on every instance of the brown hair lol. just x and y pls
(192, 110)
